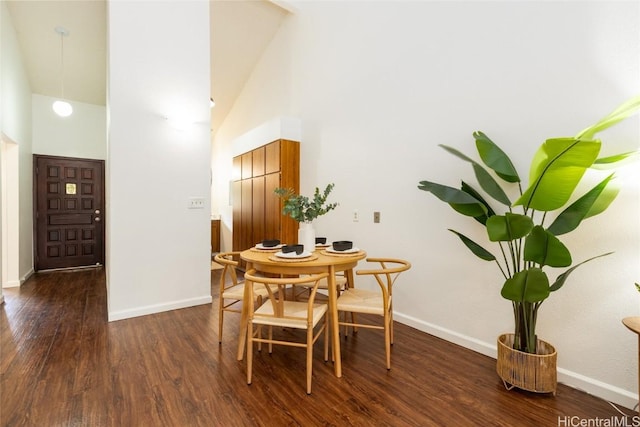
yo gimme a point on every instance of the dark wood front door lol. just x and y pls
(69, 212)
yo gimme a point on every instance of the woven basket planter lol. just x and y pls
(526, 371)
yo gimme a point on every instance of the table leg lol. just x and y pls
(335, 328)
(244, 319)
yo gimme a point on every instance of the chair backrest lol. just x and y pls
(277, 299)
(386, 275)
(230, 261)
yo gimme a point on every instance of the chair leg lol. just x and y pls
(326, 338)
(387, 339)
(354, 328)
(220, 319)
(270, 339)
(309, 358)
(259, 332)
(391, 324)
(249, 351)
(259, 303)
(329, 331)
(346, 326)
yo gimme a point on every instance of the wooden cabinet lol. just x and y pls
(257, 211)
(215, 236)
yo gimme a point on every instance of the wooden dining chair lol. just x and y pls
(278, 311)
(232, 289)
(341, 285)
(379, 302)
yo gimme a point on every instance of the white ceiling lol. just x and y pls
(240, 31)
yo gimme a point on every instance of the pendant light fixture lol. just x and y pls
(60, 106)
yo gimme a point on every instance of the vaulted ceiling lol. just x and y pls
(240, 31)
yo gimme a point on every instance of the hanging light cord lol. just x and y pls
(63, 32)
(62, 107)
(62, 62)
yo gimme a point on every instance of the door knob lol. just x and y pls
(97, 212)
(97, 219)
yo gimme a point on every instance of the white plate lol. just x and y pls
(260, 246)
(348, 251)
(293, 255)
(322, 245)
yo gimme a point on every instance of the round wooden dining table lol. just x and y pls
(320, 261)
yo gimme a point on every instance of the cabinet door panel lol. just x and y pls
(215, 235)
(273, 210)
(247, 165)
(289, 178)
(290, 161)
(272, 157)
(236, 173)
(258, 162)
(246, 236)
(258, 222)
(237, 215)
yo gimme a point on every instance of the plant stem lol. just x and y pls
(506, 262)
(518, 326)
(514, 261)
(501, 270)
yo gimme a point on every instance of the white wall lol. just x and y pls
(82, 134)
(15, 124)
(158, 250)
(377, 85)
(9, 213)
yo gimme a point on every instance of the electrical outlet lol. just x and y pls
(196, 203)
(376, 217)
(356, 216)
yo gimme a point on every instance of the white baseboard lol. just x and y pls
(18, 283)
(12, 284)
(26, 276)
(572, 379)
(158, 308)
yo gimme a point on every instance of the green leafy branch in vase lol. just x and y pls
(302, 208)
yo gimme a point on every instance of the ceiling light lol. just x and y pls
(60, 106)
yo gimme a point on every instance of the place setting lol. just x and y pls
(341, 248)
(321, 243)
(268, 245)
(293, 253)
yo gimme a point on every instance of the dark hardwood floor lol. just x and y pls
(62, 364)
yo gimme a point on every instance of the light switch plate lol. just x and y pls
(196, 203)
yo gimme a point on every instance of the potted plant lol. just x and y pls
(305, 210)
(527, 229)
